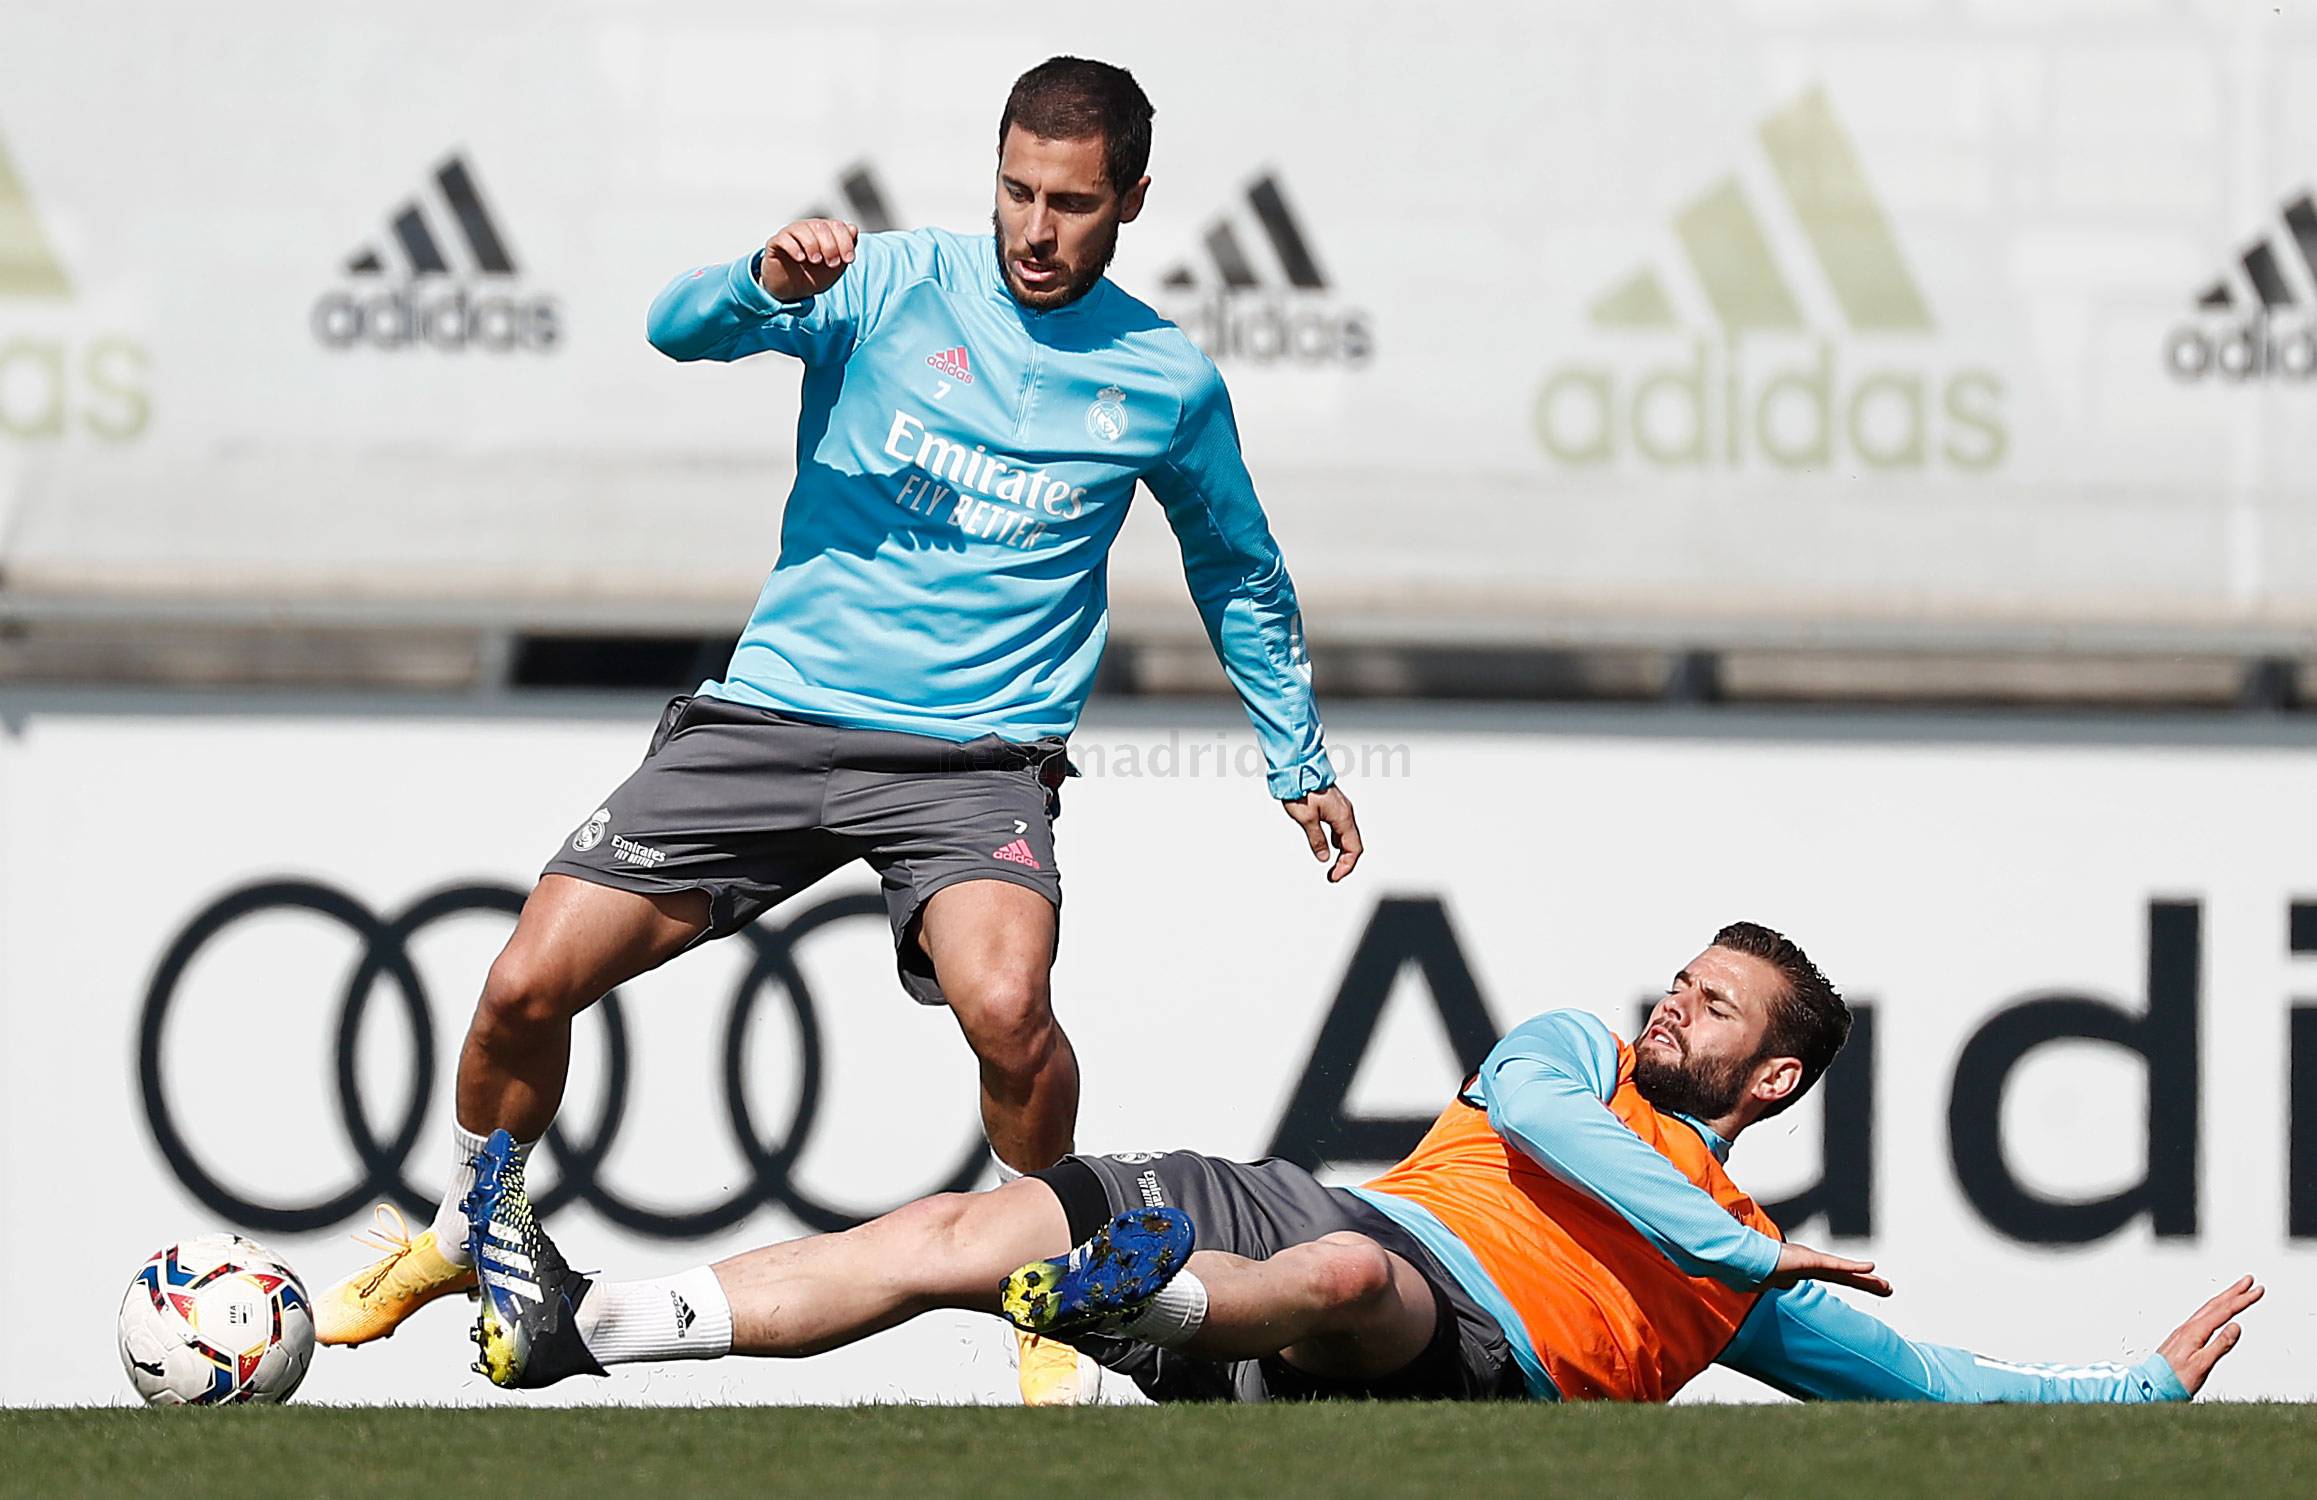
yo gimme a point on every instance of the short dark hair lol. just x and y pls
(1809, 1022)
(1074, 99)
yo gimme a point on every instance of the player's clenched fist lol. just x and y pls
(807, 257)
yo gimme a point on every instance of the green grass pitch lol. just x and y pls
(1341, 1451)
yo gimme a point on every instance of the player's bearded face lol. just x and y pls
(1705, 1039)
(1057, 217)
(1704, 1088)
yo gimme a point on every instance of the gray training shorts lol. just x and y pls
(1258, 1209)
(751, 807)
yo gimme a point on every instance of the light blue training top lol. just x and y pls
(963, 466)
(1546, 1088)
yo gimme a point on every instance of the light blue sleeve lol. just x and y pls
(1239, 582)
(1547, 1087)
(1810, 1344)
(720, 312)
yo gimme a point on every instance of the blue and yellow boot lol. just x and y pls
(1111, 1277)
(527, 1329)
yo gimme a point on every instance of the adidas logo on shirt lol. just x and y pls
(1759, 312)
(953, 363)
(1255, 291)
(2236, 337)
(442, 277)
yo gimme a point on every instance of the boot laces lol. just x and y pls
(391, 1237)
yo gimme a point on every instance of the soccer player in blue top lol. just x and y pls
(977, 412)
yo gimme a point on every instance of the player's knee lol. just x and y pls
(1351, 1271)
(521, 995)
(1010, 1021)
(931, 1230)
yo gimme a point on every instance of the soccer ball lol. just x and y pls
(216, 1320)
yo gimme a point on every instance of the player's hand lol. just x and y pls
(1326, 816)
(2211, 1331)
(806, 258)
(1800, 1263)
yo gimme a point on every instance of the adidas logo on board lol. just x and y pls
(442, 277)
(56, 379)
(28, 263)
(1731, 296)
(2237, 337)
(1237, 307)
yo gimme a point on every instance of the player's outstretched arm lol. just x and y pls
(800, 295)
(1810, 1344)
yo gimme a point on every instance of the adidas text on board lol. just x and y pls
(1725, 406)
(1768, 361)
(444, 278)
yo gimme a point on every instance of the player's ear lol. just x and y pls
(1130, 206)
(1777, 1080)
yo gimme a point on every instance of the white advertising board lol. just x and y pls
(2087, 1093)
(1693, 321)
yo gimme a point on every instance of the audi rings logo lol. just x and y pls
(381, 1149)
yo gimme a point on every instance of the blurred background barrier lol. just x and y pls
(239, 943)
(1765, 350)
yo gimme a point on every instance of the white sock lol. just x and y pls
(684, 1316)
(1006, 1174)
(1173, 1315)
(450, 1221)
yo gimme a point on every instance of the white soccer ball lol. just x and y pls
(216, 1320)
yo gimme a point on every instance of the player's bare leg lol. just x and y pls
(992, 946)
(574, 942)
(1341, 1307)
(951, 1250)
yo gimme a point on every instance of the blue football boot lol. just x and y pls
(527, 1328)
(1102, 1282)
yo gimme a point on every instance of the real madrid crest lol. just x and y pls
(1106, 418)
(591, 832)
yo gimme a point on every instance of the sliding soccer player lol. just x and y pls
(1566, 1231)
(978, 411)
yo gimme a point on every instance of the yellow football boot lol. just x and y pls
(371, 1303)
(1054, 1374)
